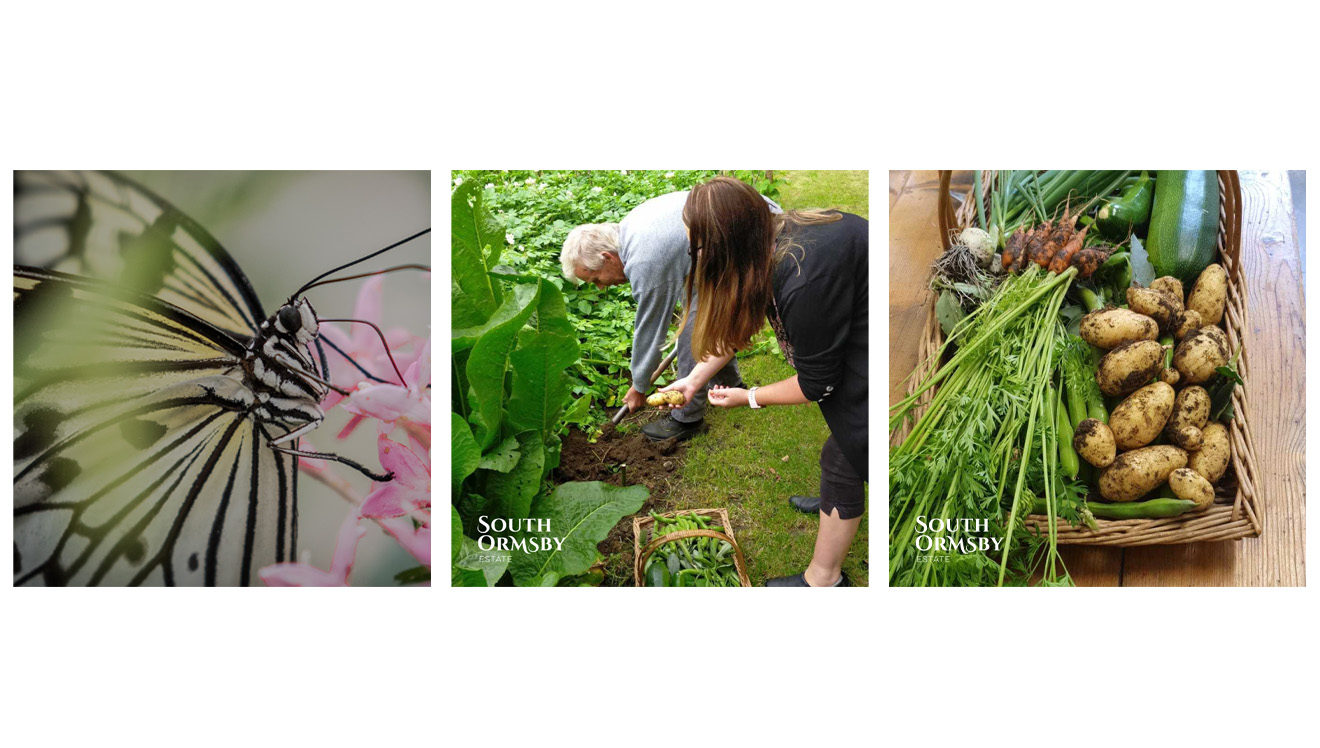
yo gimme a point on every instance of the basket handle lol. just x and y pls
(741, 565)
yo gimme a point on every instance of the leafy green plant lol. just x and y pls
(511, 345)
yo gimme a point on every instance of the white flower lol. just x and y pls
(624, 172)
(458, 181)
(530, 181)
(669, 175)
(595, 189)
(569, 194)
(508, 238)
(490, 185)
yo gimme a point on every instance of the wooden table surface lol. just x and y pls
(1275, 391)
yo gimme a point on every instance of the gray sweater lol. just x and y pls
(653, 246)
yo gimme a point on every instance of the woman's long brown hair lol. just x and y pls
(732, 251)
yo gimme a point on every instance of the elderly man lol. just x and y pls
(648, 250)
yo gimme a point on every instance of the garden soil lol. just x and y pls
(622, 459)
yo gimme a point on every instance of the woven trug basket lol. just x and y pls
(1236, 511)
(642, 525)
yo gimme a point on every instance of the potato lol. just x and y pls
(1189, 321)
(1191, 407)
(1111, 328)
(1155, 305)
(1192, 486)
(1209, 294)
(1129, 367)
(1094, 441)
(1170, 377)
(1139, 418)
(1171, 287)
(1212, 460)
(1198, 354)
(1187, 437)
(665, 398)
(1135, 474)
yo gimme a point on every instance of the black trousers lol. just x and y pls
(840, 486)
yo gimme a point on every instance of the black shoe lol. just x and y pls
(805, 504)
(668, 428)
(800, 580)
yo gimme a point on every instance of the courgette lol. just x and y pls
(1129, 212)
(1184, 223)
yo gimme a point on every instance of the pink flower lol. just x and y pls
(363, 345)
(341, 565)
(408, 492)
(391, 403)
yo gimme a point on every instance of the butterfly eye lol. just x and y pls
(290, 318)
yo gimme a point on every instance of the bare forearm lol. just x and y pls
(783, 392)
(707, 368)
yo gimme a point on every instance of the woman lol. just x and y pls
(806, 273)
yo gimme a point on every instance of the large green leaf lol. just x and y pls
(477, 568)
(489, 361)
(580, 516)
(546, 348)
(476, 241)
(463, 451)
(465, 337)
(511, 493)
(501, 459)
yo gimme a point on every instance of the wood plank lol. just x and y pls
(1277, 344)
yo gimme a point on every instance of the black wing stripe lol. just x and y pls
(218, 524)
(165, 554)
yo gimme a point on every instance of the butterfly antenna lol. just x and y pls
(380, 334)
(405, 240)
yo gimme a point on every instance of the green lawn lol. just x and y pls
(751, 461)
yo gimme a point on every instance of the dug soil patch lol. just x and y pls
(622, 459)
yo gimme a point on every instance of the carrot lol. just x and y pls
(1036, 243)
(1012, 259)
(1065, 255)
(1087, 261)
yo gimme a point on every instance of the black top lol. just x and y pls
(819, 316)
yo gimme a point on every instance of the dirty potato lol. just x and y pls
(1110, 328)
(1212, 460)
(1094, 441)
(1139, 418)
(1187, 437)
(1192, 486)
(1189, 321)
(1155, 305)
(1191, 407)
(1135, 474)
(1170, 377)
(1170, 287)
(1209, 294)
(665, 398)
(1199, 354)
(1129, 367)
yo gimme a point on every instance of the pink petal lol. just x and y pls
(384, 502)
(306, 575)
(408, 468)
(414, 540)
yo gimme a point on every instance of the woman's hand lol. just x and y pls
(727, 397)
(685, 386)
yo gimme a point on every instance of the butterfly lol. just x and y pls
(157, 407)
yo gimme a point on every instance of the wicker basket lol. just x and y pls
(1236, 512)
(642, 527)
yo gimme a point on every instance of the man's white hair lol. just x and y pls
(584, 247)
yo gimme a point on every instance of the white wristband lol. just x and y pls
(751, 398)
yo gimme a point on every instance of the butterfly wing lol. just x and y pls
(103, 225)
(135, 461)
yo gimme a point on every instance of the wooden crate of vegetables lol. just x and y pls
(691, 548)
(1125, 393)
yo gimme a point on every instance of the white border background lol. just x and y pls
(677, 84)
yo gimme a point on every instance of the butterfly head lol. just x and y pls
(297, 318)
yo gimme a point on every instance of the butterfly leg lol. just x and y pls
(379, 477)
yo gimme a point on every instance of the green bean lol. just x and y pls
(1149, 509)
(1067, 455)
